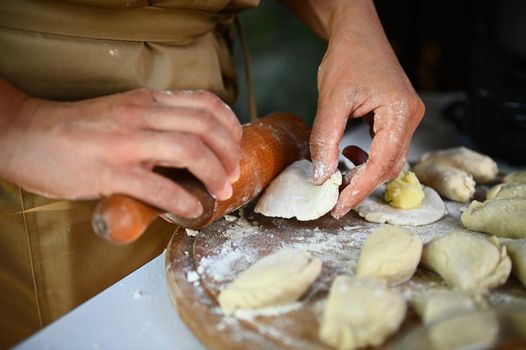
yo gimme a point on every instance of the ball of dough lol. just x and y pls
(500, 217)
(450, 182)
(276, 279)
(511, 190)
(293, 194)
(404, 192)
(391, 254)
(374, 209)
(481, 167)
(440, 304)
(360, 312)
(467, 262)
(516, 177)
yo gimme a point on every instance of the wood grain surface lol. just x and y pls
(199, 267)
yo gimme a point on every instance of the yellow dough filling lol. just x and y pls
(404, 192)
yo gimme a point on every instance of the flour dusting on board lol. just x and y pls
(235, 243)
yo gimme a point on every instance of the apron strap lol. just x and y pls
(252, 108)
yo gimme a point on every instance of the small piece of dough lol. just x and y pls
(517, 252)
(467, 262)
(391, 254)
(500, 217)
(276, 279)
(481, 167)
(293, 194)
(405, 191)
(511, 190)
(440, 304)
(450, 182)
(360, 312)
(374, 209)
(518, 177)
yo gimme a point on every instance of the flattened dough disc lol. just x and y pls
(375, 209)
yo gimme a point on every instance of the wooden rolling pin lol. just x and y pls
(268, 146)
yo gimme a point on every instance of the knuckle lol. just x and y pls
(212, 100)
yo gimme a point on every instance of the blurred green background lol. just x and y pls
(285, 59)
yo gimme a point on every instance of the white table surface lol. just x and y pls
(136, 312)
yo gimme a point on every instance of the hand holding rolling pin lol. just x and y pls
(82, 150)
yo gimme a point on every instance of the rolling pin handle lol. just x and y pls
(120, 219)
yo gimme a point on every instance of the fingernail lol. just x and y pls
(197, 210)
(225, 193)
(235, 175)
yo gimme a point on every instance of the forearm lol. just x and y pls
(11, 102)
(341, 21)
(11, 99)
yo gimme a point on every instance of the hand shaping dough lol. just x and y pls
(451, 183)
(276, 279)
(500, 217)
(374, 209)
(468, 262)
(360, 312)
(518, 177)
(390, 253)
(405, 191)
(511, 190)
(293, 194)
(517, 252)
(481, 167)
(440, 304)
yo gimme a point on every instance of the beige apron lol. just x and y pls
(50, 260)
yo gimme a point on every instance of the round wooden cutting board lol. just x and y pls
(198, 267)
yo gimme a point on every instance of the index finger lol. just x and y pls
(326, 134)
(385, 160)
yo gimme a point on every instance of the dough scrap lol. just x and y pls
(517, 252)
(467, 262)
(391, 254)
(293, 194)
(360, 312)
(481, 167)
(374, 209)
(507, 190)
(450, 182)
(500, 217)
(518, 177)
(275, 279)
(405, 191)
(440, 304)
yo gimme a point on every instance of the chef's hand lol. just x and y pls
(358, 77)
(82, 150)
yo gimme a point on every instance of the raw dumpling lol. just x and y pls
(440, 304)
(517, 252)
(511, 190)
(276, 279)
(481, 167)
(450, 182)
(500, 217)
(518, 177)
(375, 209)
(360, 312)
(390, 253)
(405, 191)
(293, 194)
(468, 262)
